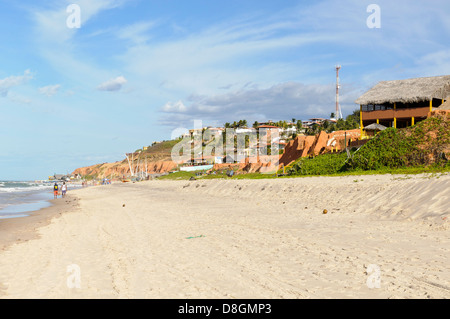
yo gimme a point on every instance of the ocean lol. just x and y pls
(19, 198)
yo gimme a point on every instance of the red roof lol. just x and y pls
(204, 158)
(267, 126)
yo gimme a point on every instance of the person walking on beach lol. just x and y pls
(63, 189)
(55, 190)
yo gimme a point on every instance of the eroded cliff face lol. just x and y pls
(122, 169)
(303, 146)
(160, 162)
(155, 159)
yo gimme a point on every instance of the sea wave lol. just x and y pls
(12, 187)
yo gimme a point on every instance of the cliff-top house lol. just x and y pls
(403, 103)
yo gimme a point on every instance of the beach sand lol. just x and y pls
(383, 236)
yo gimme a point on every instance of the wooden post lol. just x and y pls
(361, 121)
(412, 121)
(129, 164)
(395, 119)
(431, 105)
(345, 141)
(378, 121)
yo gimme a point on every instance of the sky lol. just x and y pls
(133, 71)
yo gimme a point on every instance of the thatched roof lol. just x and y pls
(407, 91)
(445, 106)
(375, 127)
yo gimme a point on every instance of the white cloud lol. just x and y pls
(218, 55)
(18, 98)
(254, 54)
(59, 46)
(136, 33)
(435, 63)
(177, 107)
(12, 81)
(113, 84)
(50, 90)
(51, 24)
(279, 102)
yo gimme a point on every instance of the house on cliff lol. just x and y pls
(402, 103)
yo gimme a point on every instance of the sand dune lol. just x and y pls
(242, 239)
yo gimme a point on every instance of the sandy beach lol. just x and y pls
(383, 236)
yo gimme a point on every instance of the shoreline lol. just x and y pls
(15, 230)
(19, 200)
(236, 239)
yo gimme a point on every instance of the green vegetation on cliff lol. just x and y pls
(158, 151)
(423, 147)
(424, 144)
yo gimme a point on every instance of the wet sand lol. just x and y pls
(14, 230)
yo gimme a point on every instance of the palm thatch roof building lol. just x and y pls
(375, 127)
(445, 106)
(402, 103)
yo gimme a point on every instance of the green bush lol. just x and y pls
(397, 148)
(421, 146)
(326, 164)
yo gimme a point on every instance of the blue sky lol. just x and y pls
(135, 70)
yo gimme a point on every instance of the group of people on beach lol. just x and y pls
(56, 190)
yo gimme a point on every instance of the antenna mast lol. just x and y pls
(338, 114)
